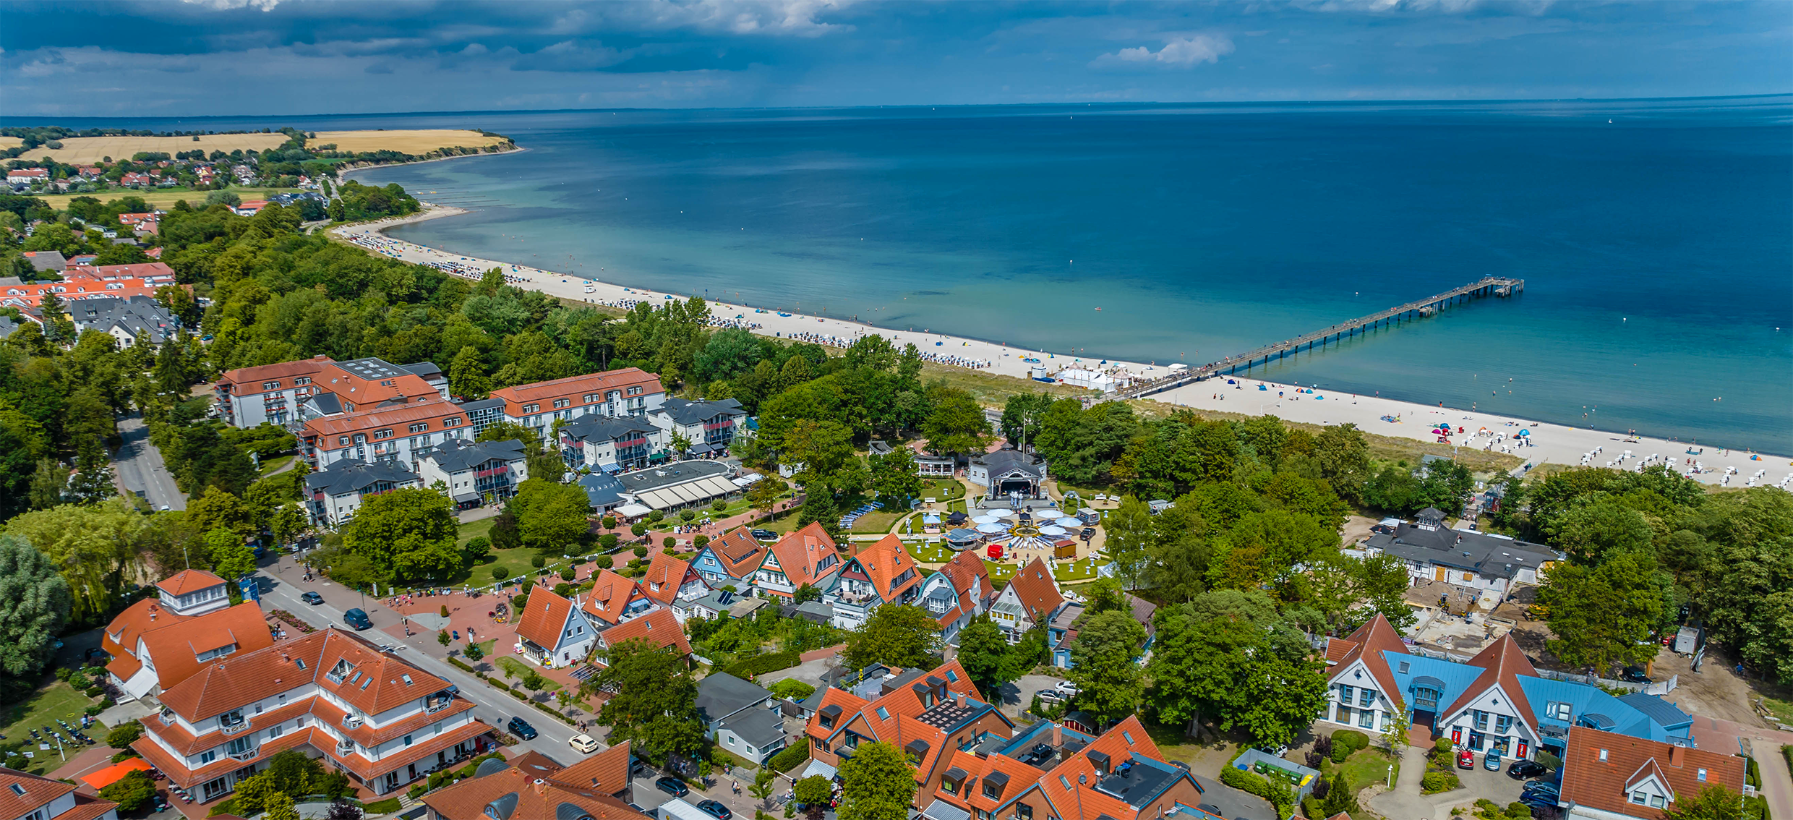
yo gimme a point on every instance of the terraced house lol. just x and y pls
(730, 560)
(381, 721)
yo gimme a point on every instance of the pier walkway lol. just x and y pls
(1489, 286)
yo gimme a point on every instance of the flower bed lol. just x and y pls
(294, 621)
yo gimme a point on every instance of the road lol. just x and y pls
(140, 466)
(282, 587)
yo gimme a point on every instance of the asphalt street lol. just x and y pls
(140, 467)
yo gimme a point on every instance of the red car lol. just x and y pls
(1465, 759)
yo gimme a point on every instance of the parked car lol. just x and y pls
(1386, 526)
(1465, 759)
(1049, 696)
(1522, 769)
(583, 744)
(312, 598)
(672, 786)
(357, 619)
(1543, 788)
(1491, 761)
(715, 809)
(1066, 688)
(521, 728)
(764, 535)
(1634, 674)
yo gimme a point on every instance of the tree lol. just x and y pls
(983, 651)
(1109, 682)
(806, 593)
(1603, 616)
(34, 605)
(1021, 417)
(49, 484)
(824, 450)
(1129, 536)
(814, 792)
(551, 518)
(763, 494)
(130, 792)
(893, 476)
(1590, 533)
(541, 461)
(877, 782)
(230, 557)
(294, 774)
(956, 424)
(473, 653)
(123, 736)
(279, 806)
(467, 374)
(903, 636)
(406, 534)
(1229, 655)
(1714, 802)
(91, 544)
(764, 783)
(654, 705)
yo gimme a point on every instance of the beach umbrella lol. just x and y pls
(1002, 513)
(1043, 515)
(1052, 530)
(984, 519)
(989, 529)
(1069, 522)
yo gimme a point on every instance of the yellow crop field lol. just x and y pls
(408, 142)
(88, 150)
(10, 142)
(163, 198)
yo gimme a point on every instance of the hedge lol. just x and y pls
(387, 806)
(790, 758)
(458, 664)
(772, 662)
(1257, 784)
(1435, 782)
(1787, 752)
(1347, 741)
(1752, 773)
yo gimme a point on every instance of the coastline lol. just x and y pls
(1544, 442)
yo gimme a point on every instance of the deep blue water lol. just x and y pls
(1657, 249)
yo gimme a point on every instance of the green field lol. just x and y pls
(930, 553)
(876, 523)
(58, 700)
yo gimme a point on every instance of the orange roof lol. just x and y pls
(849, 704)
(126, 627)
(1368, 643)
(606, 771)
(801, 553)
(1081, 801)
(329, 428)
(576, 387)
(374, 682)
(1502, 663)
(250, 379)
(189, 581)
(103, 273)
(665, 574)
(738, 552)
(610, 595)
(529, 798)
(116, 772)
(1605, 785)
(965, 568)
(39, 791)
(544, 618)
(175, 649)
(1034, 586)
(657, 626)
(884, 564)
(361, 392)
(1020, 777)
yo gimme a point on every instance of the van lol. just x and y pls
(357, 619)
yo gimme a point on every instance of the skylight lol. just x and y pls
(406, 678)
(368, 680)
(883, 714)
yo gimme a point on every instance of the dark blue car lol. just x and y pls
(357, 619)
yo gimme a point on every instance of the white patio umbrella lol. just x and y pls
(985, 519)
(1052, 531)
(990, 528)
(1069, 522)
(1002, 513)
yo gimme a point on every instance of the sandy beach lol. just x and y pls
(1542, 443)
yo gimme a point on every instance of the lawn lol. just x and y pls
(1365, 767)
(474, 530)
(522, 670)
(1782, 710)
(930, 553)
(274, 465)
(58, 700)
(942, 489)
(876, 522)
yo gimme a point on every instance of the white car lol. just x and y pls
(1049, 696)
(583, 744)
(1066, 688)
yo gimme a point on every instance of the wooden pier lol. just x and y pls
(1490, 286)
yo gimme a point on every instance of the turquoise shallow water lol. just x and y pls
(1657, 249)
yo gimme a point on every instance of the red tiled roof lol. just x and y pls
(665, 574)
(536, 798)
(610, 595)
(1034, 586)
(849, 704)
(544, 618)
(39, 791)
(738, 552)
(249, 380)
(886, 561)
(606, 772)
(576, 387)
(1502, 663)
(1368, 643)
(189, 581)
(799, 554)
(1604, 785)
(244, 678)
(658, 626)
(329, 428)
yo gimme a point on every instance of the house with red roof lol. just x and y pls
(730, 560)
(159, 642)
(1031, 598)
(535, 787)
(29, 797)
(928, 718)
(553, 631)
(957, 593)
(670, 580)
(883, 573)
(1608, 776)
(656, 626)
(614, 599)
(807, 556)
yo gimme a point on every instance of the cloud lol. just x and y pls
(1178, 52)
(227, 5)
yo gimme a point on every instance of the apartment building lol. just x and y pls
(880, 574)
(368, 714)
(710, 426)
(29, 797)
(159, 642)
(1031, 598)
(269, 393)
(610, 444)
(807, 556)
(957, 592)
(396, 435)
(334, 494)
(630, 391)
(276, 393)
(474, 472)
(1464, 558)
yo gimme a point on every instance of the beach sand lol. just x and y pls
(1545, 443)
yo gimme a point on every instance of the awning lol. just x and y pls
(465, 496)
(817, 767)
(942, 810)
(112, 774)
(632, 511)
(702, 449)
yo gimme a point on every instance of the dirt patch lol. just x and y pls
(1357, 529)
(1715, 691)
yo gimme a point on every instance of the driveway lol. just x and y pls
(1018, 696)
(141, 469)
(809, 672)
(281, 590)
(1730, 737)
(1478, 784)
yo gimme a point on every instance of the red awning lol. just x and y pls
(112, 774)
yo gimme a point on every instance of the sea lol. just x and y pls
(1655, 237)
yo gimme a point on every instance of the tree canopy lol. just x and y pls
(653, 701)
(405, 534)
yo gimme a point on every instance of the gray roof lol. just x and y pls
(722, 694)
(1659, 711)
(942, 810)
(323, 404)
(717, 601)
(372, 369)
(1489, 555)
(471, 407)
(346, 477)
(813, 611)
(759, 727)
(139, 314)
(455, 455)
(47, 260)
(490, 767)
(685, 411)
(601, 489)
(7, 326)
(1008, 461)
(667, 475)
(425, 369)
(605, 428)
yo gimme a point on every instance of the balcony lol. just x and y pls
(246, 755)
(234, 728)
(352, 721)
(345, 747)
(436, 705)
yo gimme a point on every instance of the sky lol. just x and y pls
(158, 58)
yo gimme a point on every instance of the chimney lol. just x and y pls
(1676, 756)
(540, 784)
(1058, 735)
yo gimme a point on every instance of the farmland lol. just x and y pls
(88, 150)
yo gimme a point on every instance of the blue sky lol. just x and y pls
(249, 57)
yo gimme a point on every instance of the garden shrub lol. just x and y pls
(1435, 782)
(640, 552)
(700, 541)
(604, 562)
(1347, 741)
(568, 574)
(610, 522)
(719, 505)
(498, 573)
(537, 561)
(770, 662)
(668, 543)
(1445, 745)
(124, 735)
(790, 758)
